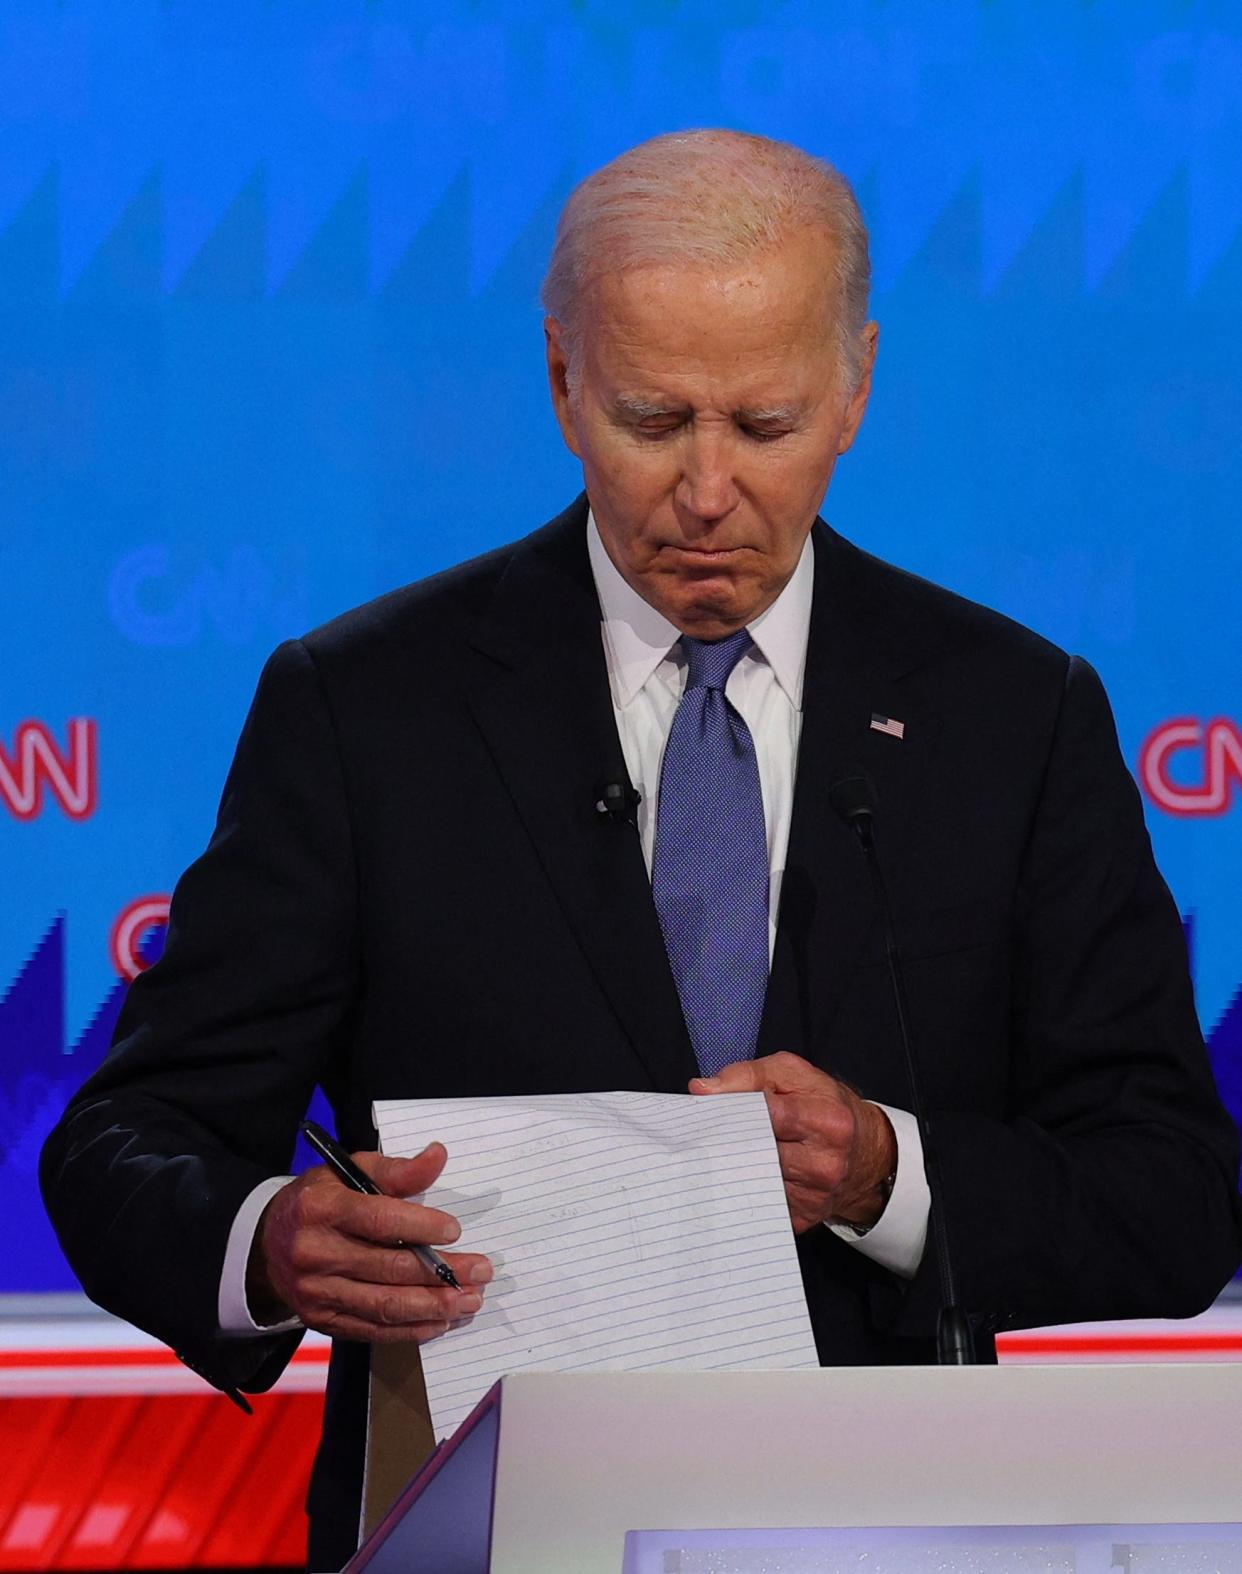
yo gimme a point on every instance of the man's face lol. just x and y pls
(708, 414)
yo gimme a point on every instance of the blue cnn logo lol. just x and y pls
(160, 597)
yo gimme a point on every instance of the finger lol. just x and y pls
(404, 1177)
(779, 1073)
(471, 1268)
(388, 1221)
(328, 1251)
(738, 1077)
(806, 1208)
(812, 1170)
(342, 1326)
(397, 1266)
(388, 1307)
(821, 1122)
(330, 1298)
(786, 1073)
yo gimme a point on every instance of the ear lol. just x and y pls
(558, 382)
(857, 405)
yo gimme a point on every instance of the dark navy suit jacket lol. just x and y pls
(410, 892)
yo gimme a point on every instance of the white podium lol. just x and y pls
(552, 1472)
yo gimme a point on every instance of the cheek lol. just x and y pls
(634, 483)
(798, 492)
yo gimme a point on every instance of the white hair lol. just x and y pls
(708, 198)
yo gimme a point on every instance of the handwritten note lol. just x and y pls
(629, 1231)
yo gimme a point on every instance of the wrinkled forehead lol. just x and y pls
(767, 323)
(796, 278)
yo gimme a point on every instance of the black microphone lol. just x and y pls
(854, 800)
(618, 800)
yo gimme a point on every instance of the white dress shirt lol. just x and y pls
(646, 675)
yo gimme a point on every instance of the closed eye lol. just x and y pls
(670, 426)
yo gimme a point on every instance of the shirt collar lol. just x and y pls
(782, 631)
(637, 638)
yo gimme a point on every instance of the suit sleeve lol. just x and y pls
(220, 1044)
(1110, 1189)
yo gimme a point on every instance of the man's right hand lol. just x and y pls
(332, 1257)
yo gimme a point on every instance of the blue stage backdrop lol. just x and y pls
(269, 345)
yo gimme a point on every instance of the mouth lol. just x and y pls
(706, 557)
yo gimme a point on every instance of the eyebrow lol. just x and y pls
(781, 413)
(639, 409)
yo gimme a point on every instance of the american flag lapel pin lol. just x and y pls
(894, 729)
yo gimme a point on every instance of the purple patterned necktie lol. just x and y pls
(709, 876)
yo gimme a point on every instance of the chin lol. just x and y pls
(709, 617)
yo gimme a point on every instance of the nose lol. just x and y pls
(708, 488)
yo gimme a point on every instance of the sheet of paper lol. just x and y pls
(628, 1230)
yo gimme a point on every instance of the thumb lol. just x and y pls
(740, 1076)
(404, 1177)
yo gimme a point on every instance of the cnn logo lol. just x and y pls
(37, 765)
(1217, 751)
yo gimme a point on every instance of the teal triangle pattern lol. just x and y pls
(1152, 265)
(1049, 265)
(949, 260)
(521, 271)
(229, 265)
(334, 265)
(28, 251)
(127, 263)
(435, 267)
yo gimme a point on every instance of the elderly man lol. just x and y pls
(412, 889)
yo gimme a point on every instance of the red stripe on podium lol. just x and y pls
(147, 1481)
(314, 1355)
(1085, 1346)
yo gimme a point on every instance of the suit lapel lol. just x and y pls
(538, 690)
(827, 918)
(537, 687)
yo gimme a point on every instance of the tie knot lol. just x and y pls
(711, 661)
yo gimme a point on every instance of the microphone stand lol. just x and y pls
(854, 800)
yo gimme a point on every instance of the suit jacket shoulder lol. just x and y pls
(459, 602)
(921, 622)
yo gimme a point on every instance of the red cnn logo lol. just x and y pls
(36, 763)
(1219, 745)
(132, 924)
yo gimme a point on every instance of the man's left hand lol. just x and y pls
(836, 1150)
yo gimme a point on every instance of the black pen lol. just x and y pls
(344, 1168)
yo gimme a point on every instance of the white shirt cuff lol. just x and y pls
(897, 1239)
(233, 1310)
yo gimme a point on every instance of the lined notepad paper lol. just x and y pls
(629, 1231)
